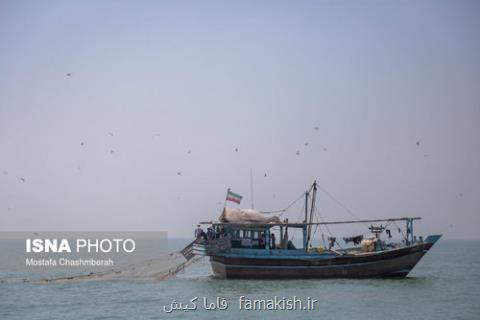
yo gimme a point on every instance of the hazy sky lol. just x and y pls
(153, 80)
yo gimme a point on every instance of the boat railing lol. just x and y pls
(215, 245)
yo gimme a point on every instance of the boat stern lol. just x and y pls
(212, 247)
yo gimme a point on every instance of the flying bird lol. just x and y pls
(82, 143)
(111, 134)
(236, 149)
(179, 173)
(418, 143)
(305, 144)
(69, 74)
(112, 151)
(298, 153)
(189, 151)
(265, 175)
(22, 179)
(316, 128)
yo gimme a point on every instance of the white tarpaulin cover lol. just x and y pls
(246, 216)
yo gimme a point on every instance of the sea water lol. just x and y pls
(444, 285)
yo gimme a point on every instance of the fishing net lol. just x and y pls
(161, 268)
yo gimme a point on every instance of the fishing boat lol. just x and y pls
(240, 245)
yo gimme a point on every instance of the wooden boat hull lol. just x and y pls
(391, 263)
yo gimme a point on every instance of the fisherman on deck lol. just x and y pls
(198, 232)
(210, 233)
(221, 233)
(262, 241)
(273, 241)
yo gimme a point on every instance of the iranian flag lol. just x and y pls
(233, 197)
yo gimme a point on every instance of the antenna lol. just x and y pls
(251, 186)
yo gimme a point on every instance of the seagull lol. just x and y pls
(316, 128)
(69, 74)
(298, 153)
(111, 134)
(236, 149)
(82, 143)
(324, 149)
(112, 151)
(189, 151)
(179, 173)
(305, 144)
(22, 179)
(418, 143)
(265, 175)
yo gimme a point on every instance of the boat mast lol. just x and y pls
(305, 241)
(251, 186)
(312, 208)
(306, 206)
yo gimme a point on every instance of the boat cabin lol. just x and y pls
(228, 235)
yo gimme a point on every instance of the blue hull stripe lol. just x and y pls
(301, 267)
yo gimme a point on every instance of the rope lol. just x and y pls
(328, 230)
(317, 226)
(341, 204)
(338, 202)
(320, 226)
(401, 231)
(315, 231)
(288, 207)
(321, 218)
(295, 229)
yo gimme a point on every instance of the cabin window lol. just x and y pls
(246, 234)
(236, 234)
(247, 238)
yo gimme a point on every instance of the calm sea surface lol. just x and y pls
(444, 285)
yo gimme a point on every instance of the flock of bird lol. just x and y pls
(179, 173)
